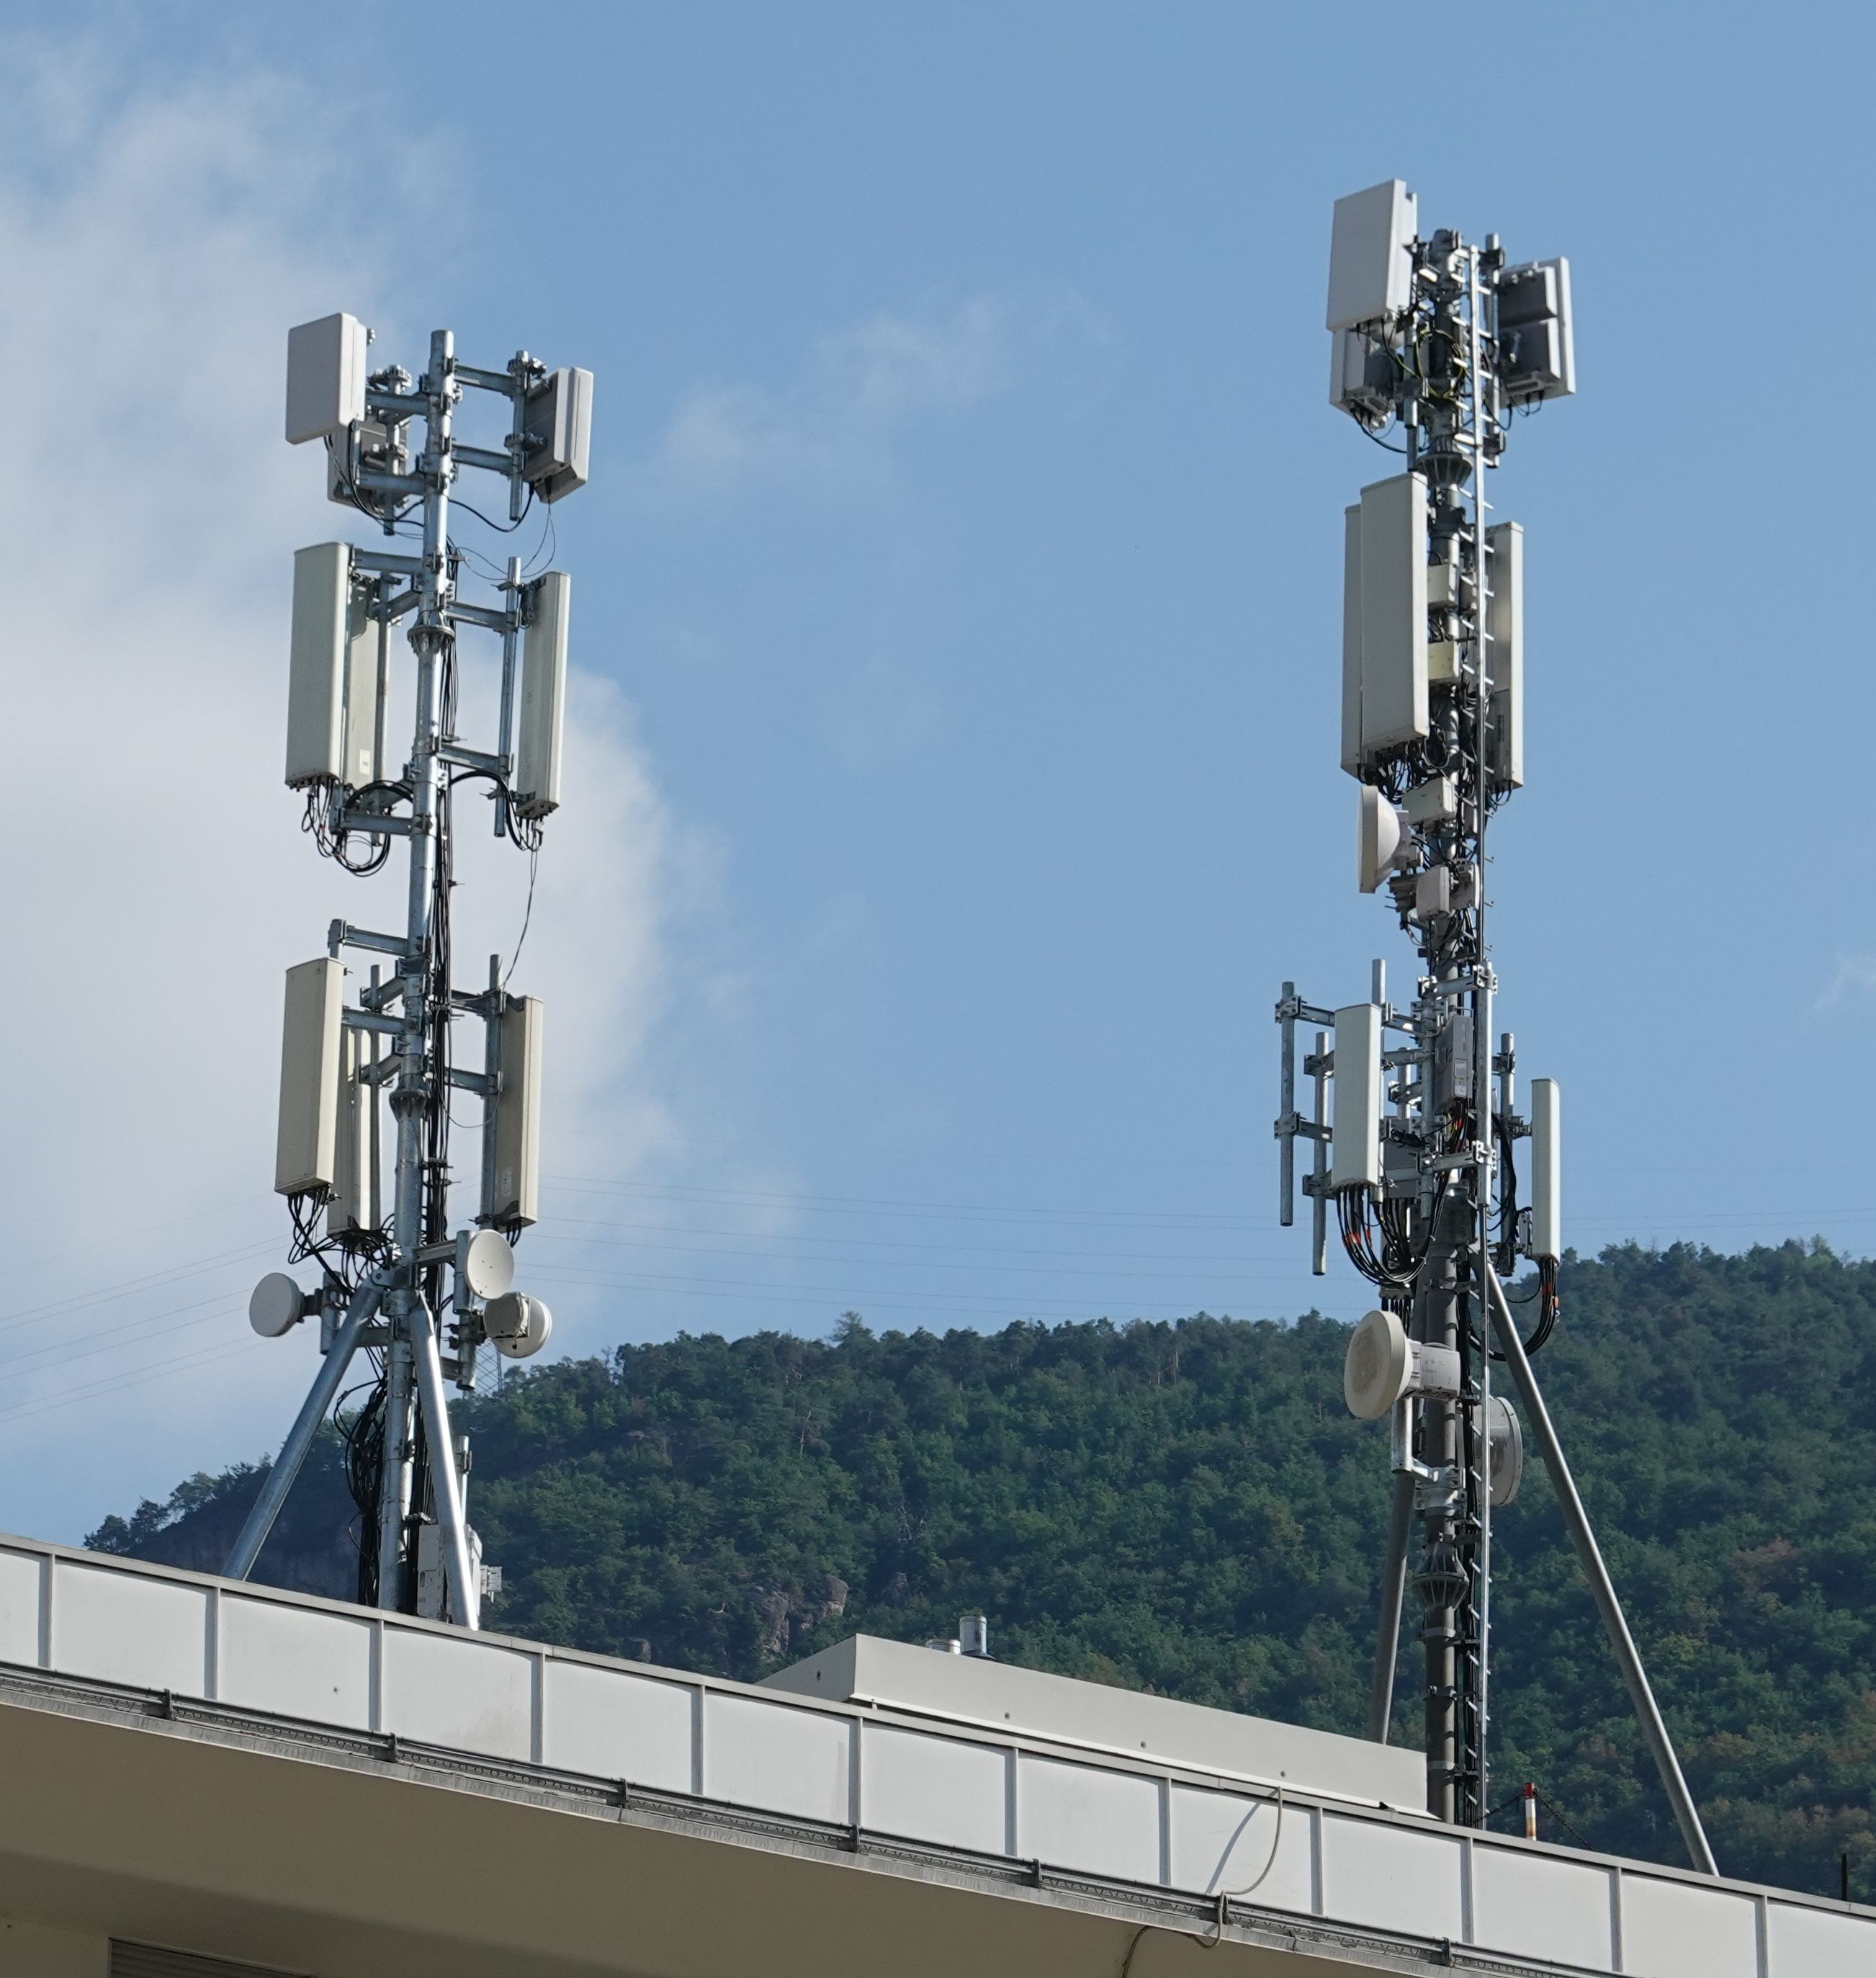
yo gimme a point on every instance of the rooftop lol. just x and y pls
(221, 1769)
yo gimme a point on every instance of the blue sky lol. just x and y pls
(957, 600)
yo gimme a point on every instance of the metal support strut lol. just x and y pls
(1628, 1657)
(287, 1465)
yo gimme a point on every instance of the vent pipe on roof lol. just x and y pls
(974, 1637)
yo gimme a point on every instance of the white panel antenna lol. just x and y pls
(316, 701)
(512, 1194)
(1352, 758)
(366, 643)
(1392, 599)
(558, 423)
(353, 1179)
(1356, 1121)
(543, 696)
(1370, 255)
(306, 1152)
(1504, 629)
(326, 367)
(1546, 1193)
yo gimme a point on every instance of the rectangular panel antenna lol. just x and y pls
(325, 370)
(365, 643)
(1352, 757)
(1536, 335)
(1355, 1118)
(1504, 625)
(1393, 613)
(557, 423)
(306, 1152)
(351, 1205)
(1370, 264)
(514, 1175)
(1546, 1193)
(543, 696)
(315, 704)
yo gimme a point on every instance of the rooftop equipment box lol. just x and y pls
(968, 1689)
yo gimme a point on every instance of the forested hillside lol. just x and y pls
(1188, 1508)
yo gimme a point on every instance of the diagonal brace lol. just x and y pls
(286, 1466)
(1628, 1657)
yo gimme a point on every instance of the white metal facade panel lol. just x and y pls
(19, 1607)
(1223, 1842)
(150, 1632)
(768, 1755)
(1355, 1097)
(1670, 1930)
(1541, 1907)
(448, 1689)
(295, 1661)
(1081, 1816)
(938, 1789)
(1394, 641)
(621, 1727)
(1390, 1878)
(1813, 1943)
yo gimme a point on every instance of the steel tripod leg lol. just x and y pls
(286, 1466)
(1393, 1590)
(465, 1594)
(1628, 1657)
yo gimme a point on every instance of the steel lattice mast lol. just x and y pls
(1437, 342)
(418, 1298)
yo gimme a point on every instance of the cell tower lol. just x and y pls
(1437, 343)
(395, 1281)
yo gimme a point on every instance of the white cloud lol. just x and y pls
(158, 240)
(833, 422)
(1853, 977)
